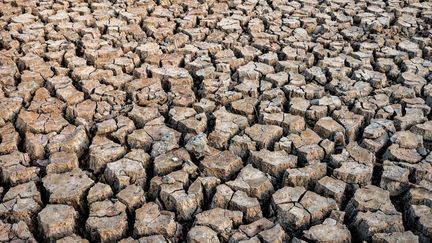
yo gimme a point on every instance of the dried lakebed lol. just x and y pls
(215, 121)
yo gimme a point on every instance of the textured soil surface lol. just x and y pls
(215, 121)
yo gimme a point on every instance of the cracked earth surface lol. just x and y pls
(215, 121)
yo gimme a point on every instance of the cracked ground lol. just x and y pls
(216, 121)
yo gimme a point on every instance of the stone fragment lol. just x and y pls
(370, 223)
(407, 140)
(40, 123)
(71, 139)
(140, 139)
(317, 206)
(290, 123)
(418, 196)
(9, 139)
(370, 198)
(186, 120)
(352, 123)
(142, 115)
(185, 203)
(222, 197)
(297, 208)
(163, 138)
(370, 211)
(396, 153)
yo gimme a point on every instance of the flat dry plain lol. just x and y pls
(216, 121)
